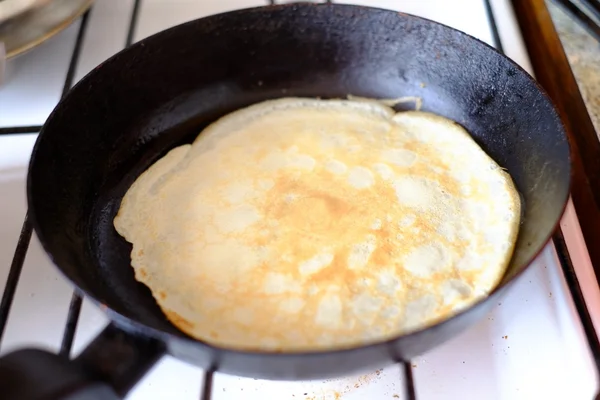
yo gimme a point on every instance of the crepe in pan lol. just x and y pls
(302, 224)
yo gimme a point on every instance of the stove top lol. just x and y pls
(531, 346)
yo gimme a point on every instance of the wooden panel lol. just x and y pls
(553, 72)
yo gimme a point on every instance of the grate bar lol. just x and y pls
(11, 130)
(576, 12)
(15, 273)
(207, 384)
(497, 42)
(409, 382)
(75, 306)
(576, 294)
(135, 13)
(593, 6)
(76, 300)
(71, 325)
(76, 52)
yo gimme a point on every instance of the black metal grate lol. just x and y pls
(586, 12)
(206, 392)
(13, 130)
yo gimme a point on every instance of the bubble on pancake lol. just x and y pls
(315, 264)
(278, 283)
(469, 262)
(243, 316)
(292, 304)
(424, 261)
(416, 310)
(273, 161)
(302, 161)
(466, 189)
(265, 184)
(360, 253)
(415, 192)
(239, 192)
(336, 167)
(329, 311)
(384, 171)
(360, 177)
(400, 157)
(455, 290)
(390, 312)
(366, 307)
(228, 257)
(407, 220)
(236, 219)
(388, 281)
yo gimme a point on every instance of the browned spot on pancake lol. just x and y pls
(162, 295)
(179, 321)
(142, 272)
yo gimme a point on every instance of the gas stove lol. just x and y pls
(531, 346)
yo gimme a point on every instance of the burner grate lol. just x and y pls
(406, 375)
(587, 14)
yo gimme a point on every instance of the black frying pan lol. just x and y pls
(162, 91)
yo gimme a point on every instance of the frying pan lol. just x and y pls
(160, 92)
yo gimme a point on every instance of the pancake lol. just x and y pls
(302, 224)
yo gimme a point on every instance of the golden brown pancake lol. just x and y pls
(302, 224)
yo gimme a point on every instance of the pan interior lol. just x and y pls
(162, 91)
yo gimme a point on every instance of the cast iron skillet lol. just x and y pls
(162, 91)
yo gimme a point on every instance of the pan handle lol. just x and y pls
(105, 370)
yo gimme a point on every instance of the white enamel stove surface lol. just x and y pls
(530, 346)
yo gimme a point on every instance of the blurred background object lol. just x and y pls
(13, 8)
(25, 24)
